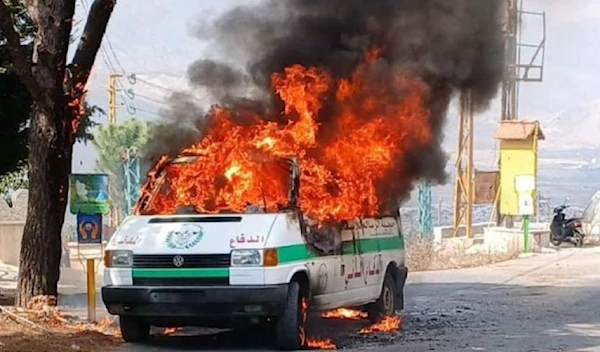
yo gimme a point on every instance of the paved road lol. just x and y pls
(548, 302)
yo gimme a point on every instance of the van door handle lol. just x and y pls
(342, 270)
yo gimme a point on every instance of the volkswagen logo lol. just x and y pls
(178, 261)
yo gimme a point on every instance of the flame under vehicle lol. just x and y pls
(261, 267)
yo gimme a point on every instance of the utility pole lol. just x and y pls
(112, 98)
(425, 222)
(114, 218)
(524, 63)
(464, 190)
(131, 170)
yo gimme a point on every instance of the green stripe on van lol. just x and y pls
(299, 252)
(179, 273)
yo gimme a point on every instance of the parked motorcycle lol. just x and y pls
(565, 230)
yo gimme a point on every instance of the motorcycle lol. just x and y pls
(565, 230)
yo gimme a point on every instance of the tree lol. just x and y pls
(56, 90)
(15, 101)
(110, 142)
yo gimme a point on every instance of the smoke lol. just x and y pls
(451, 45)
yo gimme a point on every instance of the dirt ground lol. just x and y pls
(50, 330)
(15, 337)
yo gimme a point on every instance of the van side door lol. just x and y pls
(370, 253)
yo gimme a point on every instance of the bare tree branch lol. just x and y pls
(21, 62)
(90, 41)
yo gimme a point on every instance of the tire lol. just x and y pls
(289, 330)
(578, 239)
(386, 303)
(133, 330)
(555, 241)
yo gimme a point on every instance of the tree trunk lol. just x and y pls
(49, 169)
(57, 93)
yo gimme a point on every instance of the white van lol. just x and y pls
(260, 268)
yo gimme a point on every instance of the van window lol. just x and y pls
(181, 187)
(326, 240)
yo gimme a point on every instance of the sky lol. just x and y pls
(154, 39)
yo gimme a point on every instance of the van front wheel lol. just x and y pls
(384, 306)
(289, 331)
(133, 330)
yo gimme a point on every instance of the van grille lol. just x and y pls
(189, 261)
(201, 281)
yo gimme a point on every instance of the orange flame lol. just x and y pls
(344, 313)
(171, 331)
(387, 324)
(75, 99)
(343, 155)
(321, 344)
(304, 311)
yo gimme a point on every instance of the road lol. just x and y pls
(547, 302)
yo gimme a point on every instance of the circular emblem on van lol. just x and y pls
(178, 261)
(186, 237)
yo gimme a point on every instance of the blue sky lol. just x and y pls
(153, 38)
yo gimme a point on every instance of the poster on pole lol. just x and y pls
(89, 229)
(89, 194)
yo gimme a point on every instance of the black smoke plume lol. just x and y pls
(453, 45)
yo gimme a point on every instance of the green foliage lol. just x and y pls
(14, 114)
(84, 132)
(111, 141)
(23, 24)
(15, 101)
(13, 181)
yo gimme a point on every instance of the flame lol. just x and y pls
(344, 313)
(171, 331)
(75, 98)
(321, 344)
(344, 154)
(42, 310)
(302, 330)
(387, 324)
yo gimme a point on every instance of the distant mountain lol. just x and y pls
(576, 128)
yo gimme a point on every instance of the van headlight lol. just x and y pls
(246, 257)
(118, 259)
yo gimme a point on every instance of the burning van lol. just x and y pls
(175, 264)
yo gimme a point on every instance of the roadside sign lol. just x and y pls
(89, 229)
(89, 194)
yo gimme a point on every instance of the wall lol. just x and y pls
(442, 232)
(12, 222)
(11, 233)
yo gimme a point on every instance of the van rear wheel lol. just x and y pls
(289, 330)
(133, 329)
(386, 303)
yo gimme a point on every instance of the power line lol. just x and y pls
(155, 85)
(152, 99)
(170, 90)
(104, 52)
(110, 46)
(153, 113)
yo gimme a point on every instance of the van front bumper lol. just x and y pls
(196, 301)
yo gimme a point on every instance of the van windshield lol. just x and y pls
(186, 186)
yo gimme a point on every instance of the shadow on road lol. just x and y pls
(339, 331)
